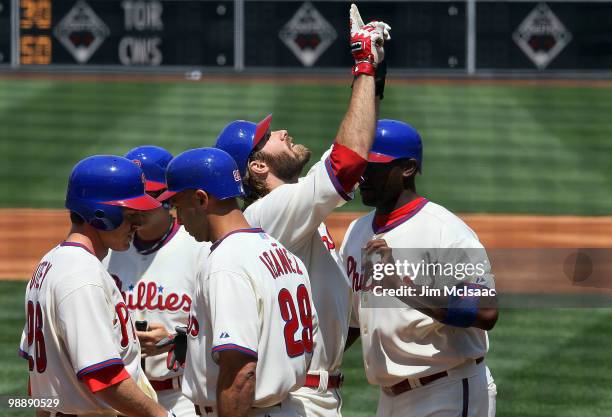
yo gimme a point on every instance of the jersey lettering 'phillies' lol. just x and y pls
(77, 328)
(258, 303)
(150, 296)
(158, 285)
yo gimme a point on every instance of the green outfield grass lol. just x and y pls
(512, 149)
(547, 363)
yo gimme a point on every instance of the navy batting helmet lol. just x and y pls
(153, 161)
(240, 137)
(394, 140)
(208, 169)
(99, 186)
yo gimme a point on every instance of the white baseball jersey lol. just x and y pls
(293, 214)
(253, 296)
(402, 342)
(77, 327)
(158, 285)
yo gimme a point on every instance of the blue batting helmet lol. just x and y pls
(99, 186)
(153, 161)
(208, 169)
(240, 137)
(394, 140)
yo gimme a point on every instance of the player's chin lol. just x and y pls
(193, 233)
(368, 196)
(302, 153)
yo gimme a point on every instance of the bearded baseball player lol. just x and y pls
(156, 276)
(427, 360)
(293, 210)
(79, 339)
(252, 324)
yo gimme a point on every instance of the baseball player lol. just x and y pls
(293, 210)
(252, 324)
(156, 276)
(428, 360)
(79, 339)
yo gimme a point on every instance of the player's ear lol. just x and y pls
(259, 167)
(410, 168)
(202, 199)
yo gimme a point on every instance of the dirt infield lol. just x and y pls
(28, 233)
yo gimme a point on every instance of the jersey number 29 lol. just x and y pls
(36, 336)
(291, 317)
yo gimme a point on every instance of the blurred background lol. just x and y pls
(512, 98)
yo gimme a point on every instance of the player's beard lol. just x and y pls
(288, 166)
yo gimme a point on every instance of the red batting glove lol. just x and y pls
(367, 43)
(364, 50)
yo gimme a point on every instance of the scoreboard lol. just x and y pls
(235, 34)
(452, 36)
(126, 32)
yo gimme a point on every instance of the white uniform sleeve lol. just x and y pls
(464, 248)
(234, 313)
(86, 320)
(293, 212)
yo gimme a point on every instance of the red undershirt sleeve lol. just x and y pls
(347, 165)
(105, 377)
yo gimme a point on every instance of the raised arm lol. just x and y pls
(358, 127)
(359, 124)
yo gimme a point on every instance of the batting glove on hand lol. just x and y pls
(367, 43)
(178, 351)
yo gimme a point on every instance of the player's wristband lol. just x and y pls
(364, 67)
(462, 311)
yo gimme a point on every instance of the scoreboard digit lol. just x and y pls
(35, 14)
(35, 46)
